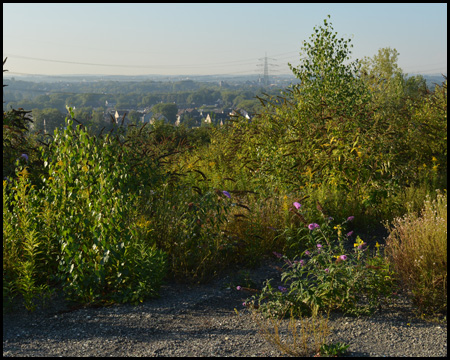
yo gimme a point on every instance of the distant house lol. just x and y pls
(119, 115)
(216, 117)
(184, 114)
(240, 112)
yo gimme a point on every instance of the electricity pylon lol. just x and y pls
(266, 68)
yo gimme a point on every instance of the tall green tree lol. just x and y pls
(169, 110)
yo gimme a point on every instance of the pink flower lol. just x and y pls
(278, 255)
(297, 205)
(313, 226)
(350, 218)
(343, 257)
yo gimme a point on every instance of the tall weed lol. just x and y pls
(417, 247)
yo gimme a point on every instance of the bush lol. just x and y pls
(85, 216)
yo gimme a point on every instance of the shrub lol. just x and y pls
(85, 213)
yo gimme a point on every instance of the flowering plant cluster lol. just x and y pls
(326, 276)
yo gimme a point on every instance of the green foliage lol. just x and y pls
(23, 247)
(188, 227)
(334, 350)
(85, 212)
(168, 110)
(91, 188)
(327, 276)
(104, 216)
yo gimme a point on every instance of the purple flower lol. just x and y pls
(297, 205)
(361, 246)
(244, 304)
(227, 194)
(307, 252)
(282, 289)
(25, 156)
(238, 288)
(278, 255)
(287, 261)
(327, 270)
(350, 218)
(302, 262)
(343, 257)
(313, 226)
(330, 218)
(319, 246)
(349, 234)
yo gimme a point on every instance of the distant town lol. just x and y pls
(190, 100)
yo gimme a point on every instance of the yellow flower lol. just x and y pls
(377, 245)
(358, 242)
(433, 159)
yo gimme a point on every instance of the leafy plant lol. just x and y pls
(336, 349)
(327, 276)
(22, 245)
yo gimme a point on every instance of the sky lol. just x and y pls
(211, 39)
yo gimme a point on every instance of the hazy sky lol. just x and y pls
(207, 39)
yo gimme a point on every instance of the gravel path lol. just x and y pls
(201, 321)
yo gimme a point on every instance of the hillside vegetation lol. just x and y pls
(108, 218)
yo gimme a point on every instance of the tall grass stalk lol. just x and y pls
(302, 336)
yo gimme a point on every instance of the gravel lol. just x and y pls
(200, 320)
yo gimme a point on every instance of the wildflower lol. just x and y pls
(327, 270)
(319, 246)
(297, 205)
(25, 156)
(282, 289)
(330, 218)
(278, 255)
(313, 226)
(302, 263)
(287, 261)
(227, 194)
(307, 252)
(244, 304)
(238, 288)
(349, 234)
(350, 218)
(343, 257)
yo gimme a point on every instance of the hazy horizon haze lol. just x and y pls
(210, 39)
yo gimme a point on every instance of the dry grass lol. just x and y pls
(417, 247)
(295, 337)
